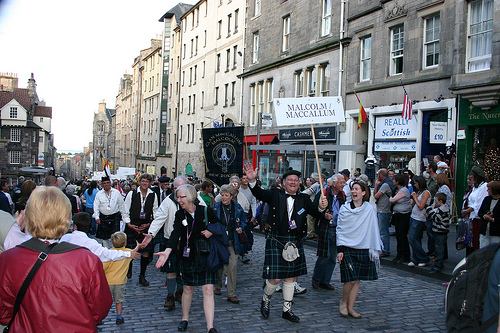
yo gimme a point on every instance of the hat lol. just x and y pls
(292, 172)
(478, 171)
(164, 179)
(345, 172)
(362, 178)
(105, 179)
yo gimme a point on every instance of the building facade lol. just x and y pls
(102, 136)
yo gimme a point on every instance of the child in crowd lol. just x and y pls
(439, 215)
(116, 273)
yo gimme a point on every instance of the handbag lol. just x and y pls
(202, 247)
(24, 287)
(464, 232)
(242, 237)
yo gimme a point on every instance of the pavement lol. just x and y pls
(401, 300)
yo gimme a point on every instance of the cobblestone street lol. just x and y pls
(397, 302)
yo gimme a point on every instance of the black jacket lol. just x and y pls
(494, 226)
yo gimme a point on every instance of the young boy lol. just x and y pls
(116, 273)
(439, 215)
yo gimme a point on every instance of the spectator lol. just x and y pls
(442, 167)
(26, 189)
(5, 200)
(383, 192)
(439, 215)
(401, 216)
(475, 199)
(490, 216)
(420, 200)
(89, 196)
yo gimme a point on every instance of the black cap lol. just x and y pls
(105, 179)
(345, 172)
(292, 172)
(164, 179)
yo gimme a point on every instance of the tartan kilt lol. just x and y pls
(356, 265)
(190, 275)
(109, 225)
(275, 267)
(132, 236)
(171, 265)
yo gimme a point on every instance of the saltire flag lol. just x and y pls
(407, 109)
(362, 113)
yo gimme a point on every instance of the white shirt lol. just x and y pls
(347, 190)
(128, 203)
(165, 216)
(81, 239)
(114, 201)
(251, 199)
(476, 198)
(15, 237)
(7, 194)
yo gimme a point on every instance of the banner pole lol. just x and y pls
(317, 161)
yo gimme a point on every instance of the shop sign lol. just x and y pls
(151, 169)
(267, 119)
(326, 133)
(395, 127)
(305, 111)
(395, 146)
(438, 132)
(41, 159)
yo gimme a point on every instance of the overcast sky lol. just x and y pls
(77, 51)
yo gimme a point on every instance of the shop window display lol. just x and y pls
(486, 150)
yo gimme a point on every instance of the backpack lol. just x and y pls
(466, 292)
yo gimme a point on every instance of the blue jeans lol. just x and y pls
(93, 224)
(431, 246)
(384, 221)
(415, 240)
(441, 242)
(323, 270)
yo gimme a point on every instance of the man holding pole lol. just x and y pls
(284, 254)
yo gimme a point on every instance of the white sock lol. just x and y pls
(288, 290)
(269, 290)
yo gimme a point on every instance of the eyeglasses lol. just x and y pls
(182, 197)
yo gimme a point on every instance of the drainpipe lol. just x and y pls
(178, 104)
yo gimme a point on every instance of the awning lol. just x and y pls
(354, 148)
(34, 170)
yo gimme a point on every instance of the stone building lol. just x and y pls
(125, 153)
(102, 136)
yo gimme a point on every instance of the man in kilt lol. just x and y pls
(108, 211)
(140, 208)
(288, 209)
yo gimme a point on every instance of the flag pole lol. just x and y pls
(368, 117)
(317, 161)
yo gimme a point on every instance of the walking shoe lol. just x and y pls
(343, 309)
(183, 325)
(397, 259)
(411, 264)
(233, 300)
(326, 286)
(288, 315)
(423, 264)
(434, 271)
(143, 281)
(354, 314)
(120, 321)
(245, 259)
(279, 288)
(299, 290)
(264, 308)
(178, 295)
(169, 302)
(212, 330)
(217, 291)
(315, 283)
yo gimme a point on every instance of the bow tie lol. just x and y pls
(290, 195)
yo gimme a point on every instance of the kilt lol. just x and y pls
(109, 225)
(171, 265)
(275, 267)
(356, 265)
(133, 236)
(189, 275)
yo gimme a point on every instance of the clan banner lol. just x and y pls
(223, 148)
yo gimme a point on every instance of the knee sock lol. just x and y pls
(269, 290)
(288, 290)
(130, 266)
(171, 285)
(144, 265)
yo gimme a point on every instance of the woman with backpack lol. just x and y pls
(420, 200)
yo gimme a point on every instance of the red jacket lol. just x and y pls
(69, 293)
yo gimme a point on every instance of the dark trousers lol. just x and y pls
(402, 225)
(441, 242)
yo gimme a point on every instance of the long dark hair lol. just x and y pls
(93, 185)
(26, 189)
(422, 184)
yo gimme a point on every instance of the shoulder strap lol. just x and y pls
(206, 215)
(24, 287)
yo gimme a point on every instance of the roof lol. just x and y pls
(19, 94)
(43, 111)
(179, 10)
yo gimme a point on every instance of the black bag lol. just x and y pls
(202, 247)
(466, 292)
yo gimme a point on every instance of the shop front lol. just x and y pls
(478, 142)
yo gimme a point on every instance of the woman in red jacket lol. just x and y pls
(69, 292)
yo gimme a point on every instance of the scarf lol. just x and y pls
(358, 228)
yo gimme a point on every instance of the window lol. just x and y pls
(257, 8)
(187, 136)
(326, 17)
(480, 35)
(260, 95)
(235, 56)
(162, 139)
(217, 68)
(100, 140)
(41, 119)
(189, 104)
(365, 59)
(15, 135)
(311, 82)
(226, 91)
(202, 99)
(229, 25)
(205, 44)
(269, 94)
(180, 134)
(13, 113)
(397, 41)
(196, 45)
(431, 41)
(183, 77)
(190, 76)
(192, 48)
(203, 73)
(228, 59)
(14, 157)
(299, 84)
(216, 96)
(164, 117)
(253, 109)
(192, 132)
(219, 29)
(236, 16)
(194, 102)
(255, 55)
(233, 92)
(195, 70)
(325, 80)
(286, 34)
(184, 51)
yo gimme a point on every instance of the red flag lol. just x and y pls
(362, 116)
(407, 110)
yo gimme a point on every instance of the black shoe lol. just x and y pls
(326, 286)
(288, 315)
(315, 283)
(397, 259)
(143, 281)
(120, 321)
(183, 325)
(178, 295)
(169, 302)
(434, 271)
(212, 330)
(264, 308)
